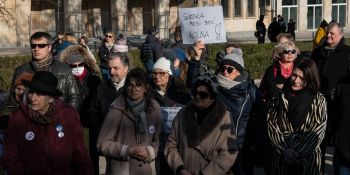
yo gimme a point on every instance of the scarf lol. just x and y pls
(138, 109)
(225, 82)
(286, 71)
(299, 104)
(82, 76)
(43, 119)
(42, 65)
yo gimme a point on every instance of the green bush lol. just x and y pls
(256, 57)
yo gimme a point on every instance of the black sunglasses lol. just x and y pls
(33, 46)
(202, 95)
(77, 65)
(109, 36)
(289, 51)
(229, 69)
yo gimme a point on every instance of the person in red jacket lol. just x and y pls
(45, 136)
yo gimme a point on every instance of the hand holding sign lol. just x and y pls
(206, 23)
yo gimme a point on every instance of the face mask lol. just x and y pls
(77, 71)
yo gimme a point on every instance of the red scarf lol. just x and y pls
(286, 71)
(82, 76)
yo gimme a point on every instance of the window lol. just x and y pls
(251, 9)
(290, 11)
(339, 11)
(314, 14)
(238, 8)
(224, 4)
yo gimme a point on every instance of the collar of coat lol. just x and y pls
(195, 134)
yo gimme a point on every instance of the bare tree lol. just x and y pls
(7, 15)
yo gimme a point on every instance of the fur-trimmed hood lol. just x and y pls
(88, 60)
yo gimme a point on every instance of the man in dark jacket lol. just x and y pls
(42, 60)
(261, 30)
(332, 59)
(273, 30)
(151, 49)
(105, 94)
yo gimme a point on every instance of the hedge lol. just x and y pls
(256, 57)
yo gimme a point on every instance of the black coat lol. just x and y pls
(66, 81)
(103, 54)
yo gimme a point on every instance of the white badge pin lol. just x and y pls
(60, 134)
(29, 135)
(151, 129)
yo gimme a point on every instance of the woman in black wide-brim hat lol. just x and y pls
(45, 136)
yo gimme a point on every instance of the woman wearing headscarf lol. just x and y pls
(202, 140)
(45, 136)
(297, 123)
(130, 132)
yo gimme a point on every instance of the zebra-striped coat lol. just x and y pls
(304, 141)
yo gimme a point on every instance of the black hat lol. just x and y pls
(154, 30)
(44, 82)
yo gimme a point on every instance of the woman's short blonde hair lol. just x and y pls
(283, 46)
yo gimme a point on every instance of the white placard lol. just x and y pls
(202, 22)
(168, 114)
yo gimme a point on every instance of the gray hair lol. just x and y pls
(124, 59)
(334, 24)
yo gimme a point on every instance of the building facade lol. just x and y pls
(94, 18)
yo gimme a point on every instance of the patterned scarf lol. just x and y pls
(138, 109)
(43, 119)
(42, 65)
(286, 71)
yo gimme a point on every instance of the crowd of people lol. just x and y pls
(221, 121)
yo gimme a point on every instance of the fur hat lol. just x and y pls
(75, 58)
(163, 64)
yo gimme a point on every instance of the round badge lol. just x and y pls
(151, 129)
(60, 134)
(59, 128)
(29, 135)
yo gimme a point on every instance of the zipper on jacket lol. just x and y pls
(240, 114)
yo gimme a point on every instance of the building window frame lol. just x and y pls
(225, 8)
(314, 6)
(253, 9)
(240, 9)
(337, 5)
(289, 8)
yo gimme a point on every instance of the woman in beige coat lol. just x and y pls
(202, 139)
(130, 132)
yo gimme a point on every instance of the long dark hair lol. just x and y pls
(311, 74)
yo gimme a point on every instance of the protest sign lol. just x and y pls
(202, 22)
(168, 114)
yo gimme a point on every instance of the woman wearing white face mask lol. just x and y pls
(85, 71)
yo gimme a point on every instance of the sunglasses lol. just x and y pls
(158, 73)
(76, 65)
(201, 94)
(33, 46)
(289, 51)
(229, 69)
(109, 36)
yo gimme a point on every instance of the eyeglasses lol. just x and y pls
(229, 69)
(158, 73)
(289, 51)
(33, 46)
(109, 36)
(137, 85)
(201, 94)
(77, 65)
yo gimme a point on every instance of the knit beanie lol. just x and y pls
(234, 59)
(163, 64)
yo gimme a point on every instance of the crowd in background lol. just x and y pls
(224, 124)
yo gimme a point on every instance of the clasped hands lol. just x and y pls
(138, 152)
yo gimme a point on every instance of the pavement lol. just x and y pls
(239, 37)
